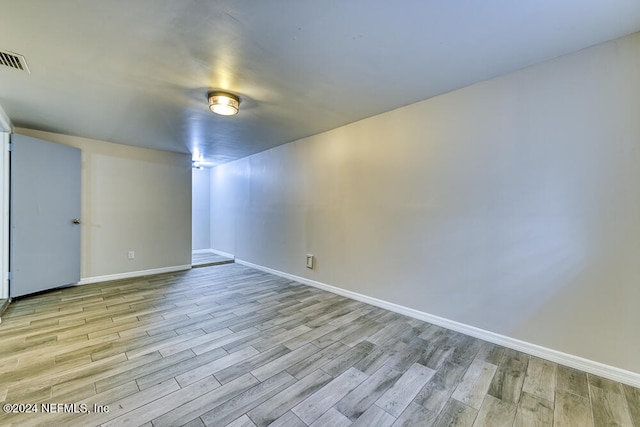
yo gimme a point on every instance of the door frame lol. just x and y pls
(5, 132)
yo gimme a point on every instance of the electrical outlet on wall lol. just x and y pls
(131, 255)
(309, 261)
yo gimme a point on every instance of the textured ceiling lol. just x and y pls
(137, 71)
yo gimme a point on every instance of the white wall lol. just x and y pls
(511, 205)
(201, 209)
(133, 199)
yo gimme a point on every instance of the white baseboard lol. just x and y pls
(133, 274)
(214, 251)
(224, 254)
(202, 251)
(577, 362)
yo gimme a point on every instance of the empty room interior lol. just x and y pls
(297, 213)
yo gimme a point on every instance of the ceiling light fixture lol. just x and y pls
(224, 103)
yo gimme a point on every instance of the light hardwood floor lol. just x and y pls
(229, 345)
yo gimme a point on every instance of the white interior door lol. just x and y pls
(44, 216)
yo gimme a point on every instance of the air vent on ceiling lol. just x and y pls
(13, 60)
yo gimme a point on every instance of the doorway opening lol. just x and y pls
(202, 253)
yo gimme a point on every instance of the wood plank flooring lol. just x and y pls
(232, 346)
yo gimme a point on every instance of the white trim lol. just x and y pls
(586, 365)
(4, 212)
(5, 129)
(202, 251)
(213, 251)
(132, 274)
(224, 254)
(5, 122)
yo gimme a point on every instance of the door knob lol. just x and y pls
(76, 220)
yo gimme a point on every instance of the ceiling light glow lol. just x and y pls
(224, 103)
